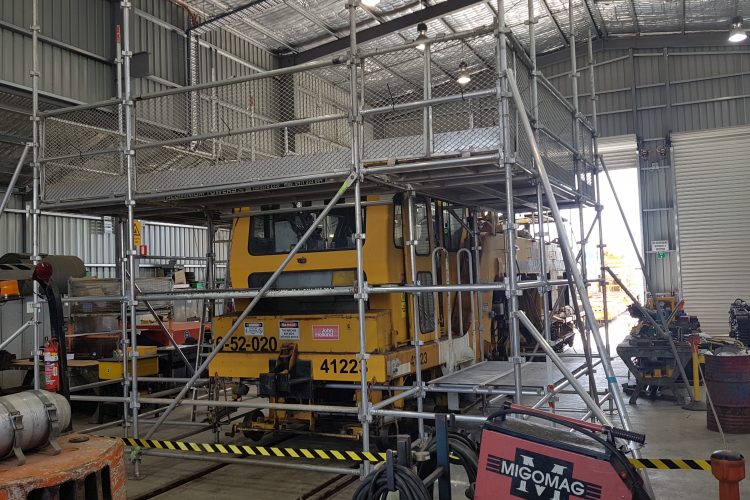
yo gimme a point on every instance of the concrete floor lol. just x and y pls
(672, 433)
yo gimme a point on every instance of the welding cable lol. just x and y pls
(406, 482)
(463, 452)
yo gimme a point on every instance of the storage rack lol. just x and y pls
(510, 140)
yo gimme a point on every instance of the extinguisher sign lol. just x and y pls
(325, 332)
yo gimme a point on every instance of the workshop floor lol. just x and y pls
(672, 433)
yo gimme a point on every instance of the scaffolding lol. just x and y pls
(392, 117)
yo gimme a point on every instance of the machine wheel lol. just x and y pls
(253, 416)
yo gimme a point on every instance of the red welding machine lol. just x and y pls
(522, 459)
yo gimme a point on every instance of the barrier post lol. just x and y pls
(729, 468)
(696, 404)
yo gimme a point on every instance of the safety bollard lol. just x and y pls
(696, 404)
(729, 468)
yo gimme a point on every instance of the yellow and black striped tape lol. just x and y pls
(359, 456)
(258, 451)
(670, 464)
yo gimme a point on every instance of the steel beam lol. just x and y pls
(560, 31)
(402, 22)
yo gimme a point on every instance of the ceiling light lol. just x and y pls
(463, 76)
(737, 32)
(422, 36)
(370, 3)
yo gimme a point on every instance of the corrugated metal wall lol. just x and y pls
(77, 49)
(652, 93)
(75, 64)
(87, 238)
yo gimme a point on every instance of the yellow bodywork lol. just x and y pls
(332, 359)
(388, 320)
(148, 364)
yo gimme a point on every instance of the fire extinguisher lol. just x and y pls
(51, 366)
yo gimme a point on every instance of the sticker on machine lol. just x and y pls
(325, 332)
(541, 477)
(254, 329)
(288, 330)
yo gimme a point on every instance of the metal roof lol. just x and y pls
(289, 26)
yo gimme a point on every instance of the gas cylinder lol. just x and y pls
(51, 366)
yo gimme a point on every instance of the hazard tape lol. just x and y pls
(358, 456)
(670, 464)
(257, 451)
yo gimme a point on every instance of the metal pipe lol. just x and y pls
(130, 204)
(361, 295)
(426, 415)
(543, 268)
(595, 143)
(208, 306)
(15, 334)
(170, 257)
(35, 257)
(407, 106)
(507, 162)
(241, 131)
(461, 161)
(172, 380)
(12, 184)
(93, 385)
(560, 386)
(115, 423)
(475, 235)
(246, 293)
(472, 295)
(121, 249)
(345, 410)
(412, 244)
(251, 461)
(427, 94)
(579, 170)
(249, 78)
(398, 397)
(271, 280)
(572, 380)
(436, 299)
(571, 265)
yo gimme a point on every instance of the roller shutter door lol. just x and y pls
(712, 176)
(619, 152)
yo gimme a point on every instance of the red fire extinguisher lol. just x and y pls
(51, 366)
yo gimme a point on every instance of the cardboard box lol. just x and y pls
(179, 277)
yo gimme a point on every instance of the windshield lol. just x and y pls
(278, 233)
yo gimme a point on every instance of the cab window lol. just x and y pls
(426, 304)
(277, 233)
(421, 226)
(452, 229)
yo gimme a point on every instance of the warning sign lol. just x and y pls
(254, 329)
(137, 234)
(288, 330)
(325, 332)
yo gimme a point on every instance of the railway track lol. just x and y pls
(167, 487)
